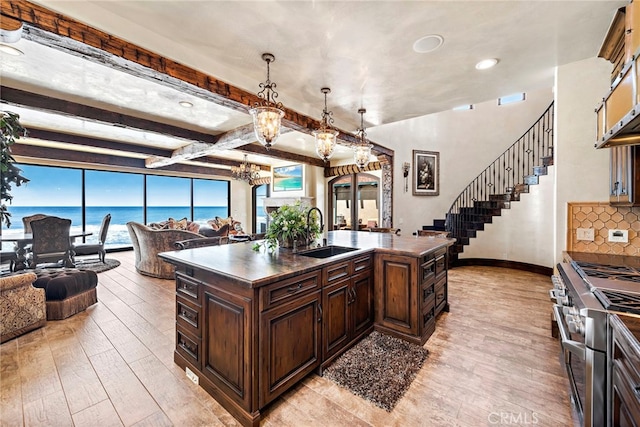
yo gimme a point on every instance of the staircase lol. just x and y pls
(499, 185)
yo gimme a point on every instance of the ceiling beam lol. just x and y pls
(22, 98)
(229, 140)
(256, 148)
(37, 152)
(80, 39)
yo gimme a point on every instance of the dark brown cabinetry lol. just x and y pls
(624, 374)
(625, 176)
(347, 302)
(290, 332)
(411, 292)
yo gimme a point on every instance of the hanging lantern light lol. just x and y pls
(326, 135)
(362, 148)
(267, 115)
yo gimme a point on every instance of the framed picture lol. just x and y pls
(287, 178)
(426, 173)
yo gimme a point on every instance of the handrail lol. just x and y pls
(502, 176)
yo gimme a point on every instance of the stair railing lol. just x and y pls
(502, 176)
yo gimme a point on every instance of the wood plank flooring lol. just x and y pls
(492, 362)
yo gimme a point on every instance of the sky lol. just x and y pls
(52, 186)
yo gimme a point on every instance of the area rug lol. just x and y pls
(97, 265)
(380, 368)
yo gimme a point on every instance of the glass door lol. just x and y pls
(355, 201)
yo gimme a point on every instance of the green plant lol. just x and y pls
(289, 222)
(11, 130)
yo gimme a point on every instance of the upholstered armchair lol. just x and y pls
(22, 307)
(148, 243)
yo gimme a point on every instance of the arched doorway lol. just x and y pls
(355, 201)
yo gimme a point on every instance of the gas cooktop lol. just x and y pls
(610, 272)
(626, 302)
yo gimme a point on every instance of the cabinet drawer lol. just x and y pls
(188, 316)
(188, 288)
(428, 295)
(626, 349)
(427, 272)
(362, 263)
(626, 398)
(289, 289)
(441, 264)
(428, 322)
(337, 271)
(188, 347)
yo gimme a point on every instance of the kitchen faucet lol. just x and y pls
(309, 225)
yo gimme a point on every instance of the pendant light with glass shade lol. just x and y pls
(326, 135)
(362, 148)
(267, 115)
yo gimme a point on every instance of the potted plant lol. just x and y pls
(11, 130)
(288, 227)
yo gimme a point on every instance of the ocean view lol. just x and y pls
(120, 215)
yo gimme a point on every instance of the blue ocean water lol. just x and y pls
(120, 215)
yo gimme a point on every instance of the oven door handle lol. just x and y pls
(573, 346)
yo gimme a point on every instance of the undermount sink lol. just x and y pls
(326, 251)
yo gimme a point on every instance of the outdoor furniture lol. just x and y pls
(148, 243)
(95, 248)
(51, 242)
(22, 306)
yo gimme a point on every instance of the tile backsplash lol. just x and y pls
(602, 217)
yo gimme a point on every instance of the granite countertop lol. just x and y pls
(250, 268)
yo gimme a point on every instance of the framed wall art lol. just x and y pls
(426, 173)
(287, 178)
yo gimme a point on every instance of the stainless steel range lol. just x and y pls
(586, 290)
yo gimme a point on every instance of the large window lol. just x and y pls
(86, 196)
(260, 217)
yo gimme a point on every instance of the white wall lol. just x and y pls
(523, 233)
(468, 141)
(582, 172)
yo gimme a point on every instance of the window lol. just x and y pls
(260, 216)
(168, 197)
(210, 199)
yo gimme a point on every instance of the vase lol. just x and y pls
(291, 243)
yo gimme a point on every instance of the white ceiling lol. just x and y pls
(362, 50)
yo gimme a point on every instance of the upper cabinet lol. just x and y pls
(618, 115)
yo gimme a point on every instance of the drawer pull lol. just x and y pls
(636, 389)
(187, 314)
(184, 344)
(292, 289)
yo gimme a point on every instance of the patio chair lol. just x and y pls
(95, 248)
(51, 242)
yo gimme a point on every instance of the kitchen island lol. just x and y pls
(251, 324)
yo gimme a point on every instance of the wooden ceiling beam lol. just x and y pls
(37, 152)
(80, 39)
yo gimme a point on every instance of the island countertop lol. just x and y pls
(249, 268)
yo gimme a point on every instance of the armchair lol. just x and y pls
(148, 243)
(22, 306)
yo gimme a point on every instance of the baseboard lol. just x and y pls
(532, 268)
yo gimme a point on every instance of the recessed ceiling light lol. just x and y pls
(10, 50)
(185, 104)
(486, 63)
(428, 43)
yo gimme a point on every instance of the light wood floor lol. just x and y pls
(492, 362)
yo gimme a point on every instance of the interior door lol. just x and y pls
(355, 202)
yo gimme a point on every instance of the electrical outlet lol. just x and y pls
(585, 234)
(620, 236)
(192, 376)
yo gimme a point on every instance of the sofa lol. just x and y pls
(22, 307)
(148, 242)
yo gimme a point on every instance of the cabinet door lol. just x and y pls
(336, 299)
(289, 345)
(362, 303)
(614, 171)
(227, 338)
(396, 285)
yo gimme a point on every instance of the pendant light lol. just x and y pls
(326, 135)
(362, 148)
(267, 115)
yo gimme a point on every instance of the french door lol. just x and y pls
(355, 202)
